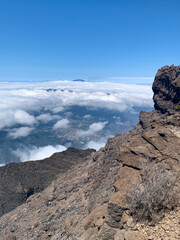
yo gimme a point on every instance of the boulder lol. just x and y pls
(166, 88)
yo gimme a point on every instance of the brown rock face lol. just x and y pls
(166, 89)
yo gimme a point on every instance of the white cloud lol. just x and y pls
(57, 109)
(118, 120)
(87, 116)
(68, 114)
(46, 117)
(95, 144)
(9, 118)
(93, 129)
(22, 117)
(98, 143)
(20, 132)
(37, 153)
(63, 123)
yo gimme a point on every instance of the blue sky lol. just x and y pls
(69, 39)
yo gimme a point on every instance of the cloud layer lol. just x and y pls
(47, 108)
(37, 153)
(19, 101)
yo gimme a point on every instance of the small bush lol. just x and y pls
(178, 108)
(156, 193)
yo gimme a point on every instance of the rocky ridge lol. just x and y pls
(89, 201)
(18, 181)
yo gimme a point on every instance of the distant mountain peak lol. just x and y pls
(79, 80)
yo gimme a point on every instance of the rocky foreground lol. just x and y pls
(97, 199)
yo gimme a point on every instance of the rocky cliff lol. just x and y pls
(126, 190)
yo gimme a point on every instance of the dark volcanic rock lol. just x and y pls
(166, 89)
(18, 181)
(114, 215)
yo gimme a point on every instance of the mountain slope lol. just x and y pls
(18, 181)
(89, 202)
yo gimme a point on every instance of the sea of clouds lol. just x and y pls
(20, 101)
(37, 153)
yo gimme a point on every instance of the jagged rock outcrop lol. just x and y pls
(89, 202)
(166, 89)
(18, 181)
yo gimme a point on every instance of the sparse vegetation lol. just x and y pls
(157, 193)
(178, 108)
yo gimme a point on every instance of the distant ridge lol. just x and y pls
(79, 80)
(18, 181)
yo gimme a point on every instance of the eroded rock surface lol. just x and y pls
(166, 89)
